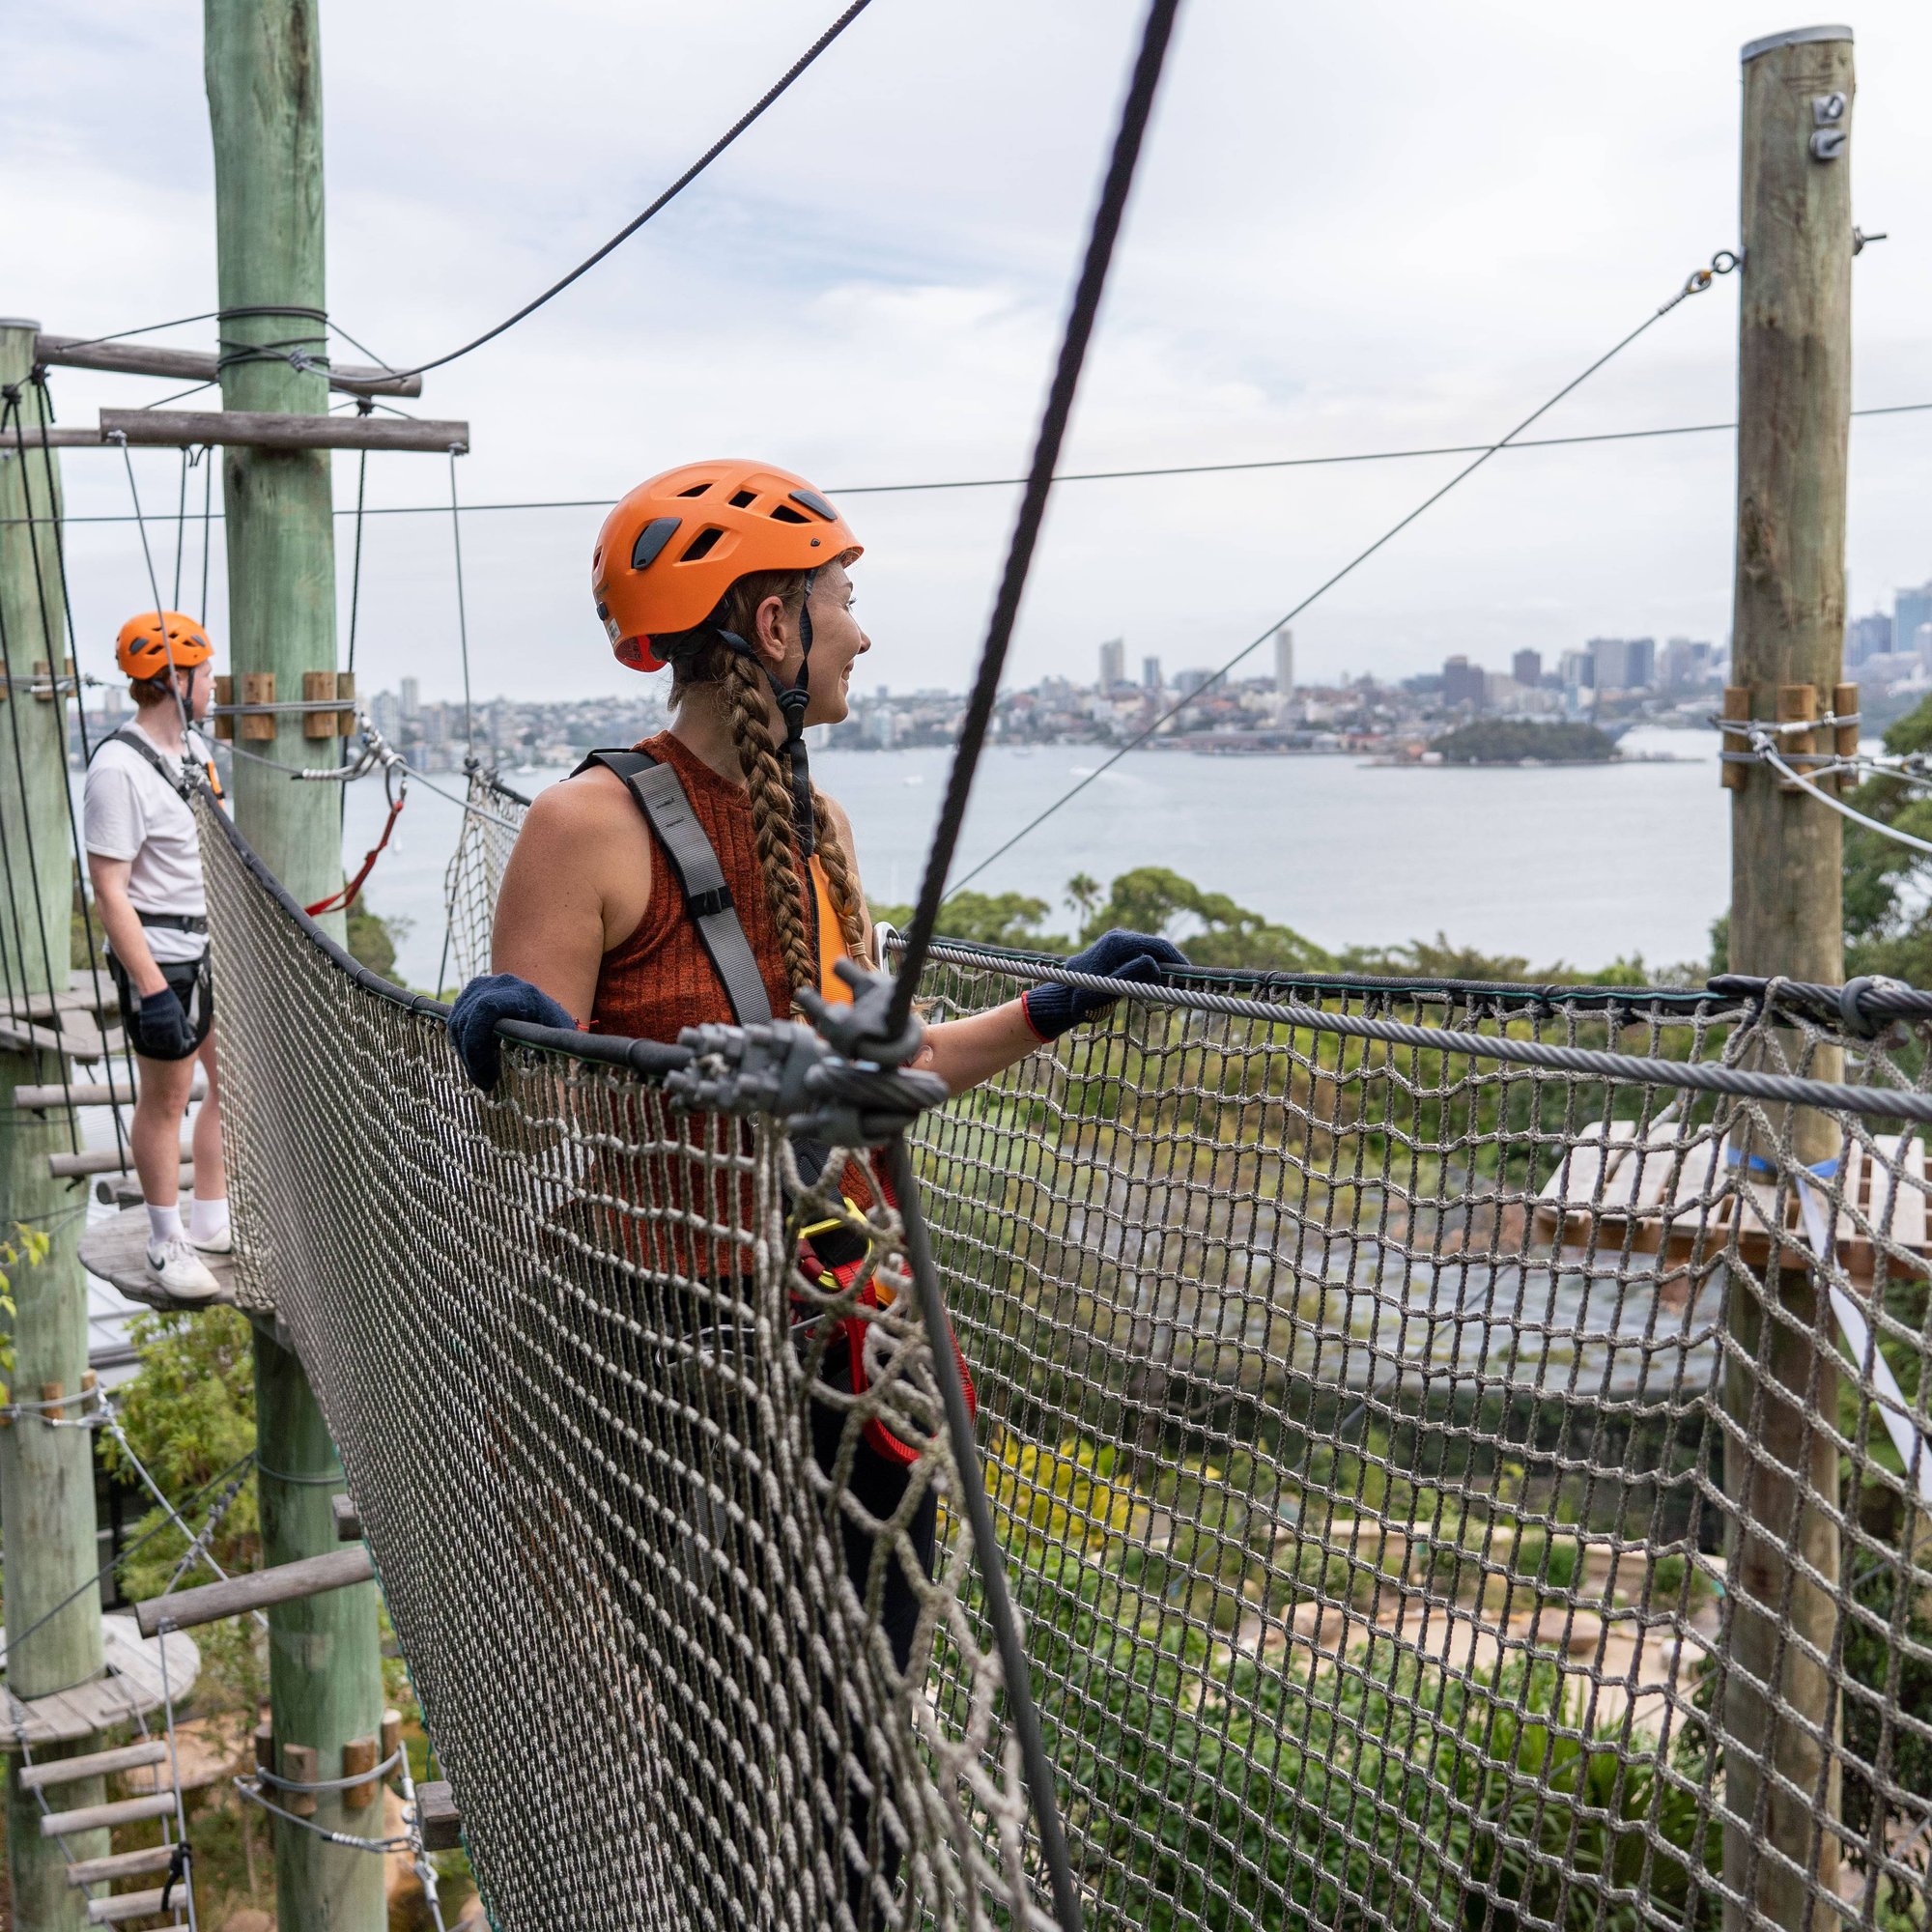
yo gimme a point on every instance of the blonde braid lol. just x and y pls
(837, 863)
(771, 814)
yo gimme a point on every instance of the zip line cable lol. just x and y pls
(1081, 313)
(1701, 280)
(1136, 110)
(663, 200)
(1120, 475)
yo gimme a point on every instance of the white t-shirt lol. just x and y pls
(131, 811)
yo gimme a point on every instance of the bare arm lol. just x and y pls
(961, 1052)
(121, 922)
(577, 882)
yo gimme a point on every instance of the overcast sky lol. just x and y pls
(1356, 228)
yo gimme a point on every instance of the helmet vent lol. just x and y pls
(744, 500)
(702, 544)
(815, 503)
(695, 490)
(784, 513)
(651, 539)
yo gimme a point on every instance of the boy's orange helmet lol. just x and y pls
(672, 548)
(143, 650)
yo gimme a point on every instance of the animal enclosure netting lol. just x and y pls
(1442, 1493)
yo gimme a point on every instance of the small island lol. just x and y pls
(1522, 741)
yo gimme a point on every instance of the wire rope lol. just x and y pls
(1700, 281)
(663, 200)
(1346, 457)
(73, 642)
(1082, 312)
(55, 981)
(462, 609)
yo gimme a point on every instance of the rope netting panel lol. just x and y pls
(492, 817)
(668, 1618)
(1442, 1491)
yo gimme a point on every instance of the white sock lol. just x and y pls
(163, 1224)
(207, 1220)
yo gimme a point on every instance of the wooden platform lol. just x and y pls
(66, 1022)
(117, 1251)
(130, 1688)
(1651, 1188)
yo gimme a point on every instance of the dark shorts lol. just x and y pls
(194, 987)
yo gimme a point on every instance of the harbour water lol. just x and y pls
(1580, 863)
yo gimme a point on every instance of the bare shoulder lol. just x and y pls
(587, 804)
(841, 822)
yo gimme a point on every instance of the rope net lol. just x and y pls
(492, 817)
(1440, 1493)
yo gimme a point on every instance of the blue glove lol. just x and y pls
(161, 1027)
(487, 999)
(1120, 954)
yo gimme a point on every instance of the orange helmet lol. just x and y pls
(141, 650)
(673, 546)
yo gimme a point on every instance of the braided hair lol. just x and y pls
(699, 658)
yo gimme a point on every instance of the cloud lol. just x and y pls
(1356, 228)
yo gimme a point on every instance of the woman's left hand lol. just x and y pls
(1120, 954)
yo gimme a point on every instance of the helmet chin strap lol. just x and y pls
(792, 700)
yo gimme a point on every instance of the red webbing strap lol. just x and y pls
(341, 901)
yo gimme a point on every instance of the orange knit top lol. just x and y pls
(660, 978)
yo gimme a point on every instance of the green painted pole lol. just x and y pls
(46, 1474)
(264, 71)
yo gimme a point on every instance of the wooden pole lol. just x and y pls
(46, 1474)
(264, 71)
(1781, 1466)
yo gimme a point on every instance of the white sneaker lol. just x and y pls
(222, 1243)
(174, 1266)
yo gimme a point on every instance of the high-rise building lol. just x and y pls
(1284, 662)
(386, 714)
(1686, 664)
(1910, 609)
(1188, 682)
(412, 698)
(1113, 663)
(1462, 683)
(1526, 668)
(1871, 635)
(1150, 673)
(1641, 665)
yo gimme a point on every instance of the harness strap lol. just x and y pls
(177, 778)
(660, 798)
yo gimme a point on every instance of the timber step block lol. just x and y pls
(1796, 702)
(122, 1864)
(392, 1733)
(125, 1905)
(116, 1252)
(1737, 710)
(438, 1818)
(43, 683)
(318, 687)
(258, 687)
(348, 1518)
(359, 1759)
(96, 1764)
(224, 694)
(98, 1817)
(299, 1766)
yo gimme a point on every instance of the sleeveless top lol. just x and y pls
(660, 978)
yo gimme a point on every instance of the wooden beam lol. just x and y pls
(261, 429)
(199, 365)
(285, 1583)
(348, 1518)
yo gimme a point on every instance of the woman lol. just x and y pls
(702, 878)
